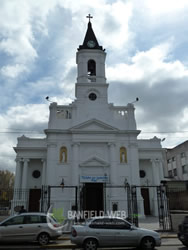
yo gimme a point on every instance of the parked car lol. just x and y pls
(112, 232)
(183, 232)
(29, 227)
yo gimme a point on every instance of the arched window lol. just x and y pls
(123, 155)
(91, 68)
(63, 155)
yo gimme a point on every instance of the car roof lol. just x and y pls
(91, 219)
(106, 217)
(27, 213)
(31, 213)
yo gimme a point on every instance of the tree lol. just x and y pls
(6, 188)
(6, 179)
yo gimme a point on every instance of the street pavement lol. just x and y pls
(169, 241)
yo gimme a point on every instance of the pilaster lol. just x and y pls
(113, 170)
(133, 161)
(155, 172)
(51, 163)
(75, 169)
(43, 171)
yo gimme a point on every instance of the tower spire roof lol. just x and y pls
(90, 40)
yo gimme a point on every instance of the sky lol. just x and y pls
(147, 57)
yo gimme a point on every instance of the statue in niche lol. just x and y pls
(123, 155)
(63, 155)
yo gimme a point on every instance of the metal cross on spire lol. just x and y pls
(89, 16)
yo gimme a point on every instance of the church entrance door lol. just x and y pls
(34, 200)
(93, 197)
(145, 195)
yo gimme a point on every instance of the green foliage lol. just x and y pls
(58, 214)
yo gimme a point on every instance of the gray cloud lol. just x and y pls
(161, 104)
(146, 58)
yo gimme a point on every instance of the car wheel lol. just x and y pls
(43, 239)
(90, 244)
(148, 243)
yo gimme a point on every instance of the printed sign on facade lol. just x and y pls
(87, 178)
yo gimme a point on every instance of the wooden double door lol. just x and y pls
(145, 195)
(34, 200)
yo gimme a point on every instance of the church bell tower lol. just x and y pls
(90, 59)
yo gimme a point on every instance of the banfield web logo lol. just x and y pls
(56, 215)
(92, 213)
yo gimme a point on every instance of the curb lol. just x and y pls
(169, 236)
(66, 246)
(63, 238)
(69, 246)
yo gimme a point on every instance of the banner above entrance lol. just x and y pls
(87, 178)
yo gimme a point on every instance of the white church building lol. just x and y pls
(90, 152)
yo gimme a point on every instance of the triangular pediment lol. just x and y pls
(94, 162)
(93, 125)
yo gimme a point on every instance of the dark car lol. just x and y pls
(183, 232)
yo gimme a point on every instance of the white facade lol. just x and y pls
(90, 144)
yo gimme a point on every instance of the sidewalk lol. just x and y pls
(170, 235)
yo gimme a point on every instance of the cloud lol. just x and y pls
(17, 31)
(146, 45)
(13, 71)
(115, 30)
(161, 85)
(164, 7)
(30, 120)
(28, 116)
(152, 66)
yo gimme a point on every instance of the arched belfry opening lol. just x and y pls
(91, 68)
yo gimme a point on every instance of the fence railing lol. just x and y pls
(12, 199)
(178, 199)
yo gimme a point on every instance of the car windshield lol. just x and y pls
(13, 221)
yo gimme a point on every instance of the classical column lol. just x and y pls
(156, 182)
(113, 170)
(75, 162)
(155, 172)
(133, 162)
(17, 183)
(43, 171)
(24, 175)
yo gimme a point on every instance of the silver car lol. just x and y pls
(112, 232)
(29, 227)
